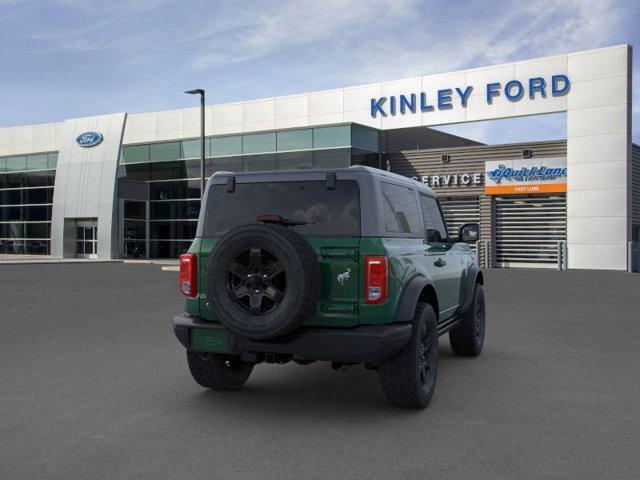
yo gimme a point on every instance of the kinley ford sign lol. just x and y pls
(504, 177)
(447, 98)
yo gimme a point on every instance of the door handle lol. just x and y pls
(440, 263)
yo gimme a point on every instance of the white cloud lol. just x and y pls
(288, 25)
(515, 31)
(302, 46)
(359, 40)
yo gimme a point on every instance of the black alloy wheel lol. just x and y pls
(262, 281)
(408, 379)
(425, 357)
(467, 337)
(478, 315)
(257, 281)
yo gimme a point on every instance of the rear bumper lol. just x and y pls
(362, 344)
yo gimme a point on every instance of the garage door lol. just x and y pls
(458, 211)
(528, 230)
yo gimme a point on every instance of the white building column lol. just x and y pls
(599, 158)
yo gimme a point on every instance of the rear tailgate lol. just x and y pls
(339, 265)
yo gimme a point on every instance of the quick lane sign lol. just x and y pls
(525, 176)
(446, 99)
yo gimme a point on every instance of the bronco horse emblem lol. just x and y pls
(344, 276)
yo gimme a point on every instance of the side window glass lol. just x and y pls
(434, 223)
(400, 209)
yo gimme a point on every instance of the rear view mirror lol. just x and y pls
(469, 233)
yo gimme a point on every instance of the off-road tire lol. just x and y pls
(403, 380)
(218, 372)
(467, 337)
(299, 264)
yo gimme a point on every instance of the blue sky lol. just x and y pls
(72, 58)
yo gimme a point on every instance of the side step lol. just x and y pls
(448, 324)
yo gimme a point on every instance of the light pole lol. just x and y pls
(200, 91)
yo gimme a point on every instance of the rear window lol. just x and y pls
(327, 213)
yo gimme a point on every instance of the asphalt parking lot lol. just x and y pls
(94, 386)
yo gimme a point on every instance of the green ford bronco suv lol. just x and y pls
(348, 265)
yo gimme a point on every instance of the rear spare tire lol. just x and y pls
(262, 280)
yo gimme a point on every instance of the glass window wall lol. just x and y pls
(176, 189)
(224, 164)
(135, 154)
(16, 164)
(295, 140)
(364, 138)
(191, 148)
(138, 171)
(26, 195)
(29, 163)
(364, 157)
(52, 160)
(339, 158)
(37, 162)
(256, 163)
(135, 229)
(332, 137)
(338, 136)
(162, 152)
(184, 230)
(174, 210)
(259, 143)
(225, 146)
(295, 160)
(168, 249)
(134, 210)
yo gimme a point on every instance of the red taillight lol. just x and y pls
(376, 275)
(188, 271)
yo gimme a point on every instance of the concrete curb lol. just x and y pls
(56, 261)
(32, 260)
(153, 262)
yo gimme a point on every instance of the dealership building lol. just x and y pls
(127, 185)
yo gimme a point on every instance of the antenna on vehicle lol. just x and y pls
(331, 181)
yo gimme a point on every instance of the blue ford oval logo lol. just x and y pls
(89, 139)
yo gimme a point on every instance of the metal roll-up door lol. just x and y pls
(458, 211)
(528, 230)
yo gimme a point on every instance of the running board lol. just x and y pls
(448, 324)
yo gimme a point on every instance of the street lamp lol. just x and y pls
(200, 91)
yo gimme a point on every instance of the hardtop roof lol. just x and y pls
(360, 169)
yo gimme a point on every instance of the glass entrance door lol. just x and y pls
(87, 239)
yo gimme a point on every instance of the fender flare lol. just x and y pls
(470, 281)
(409, 299)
